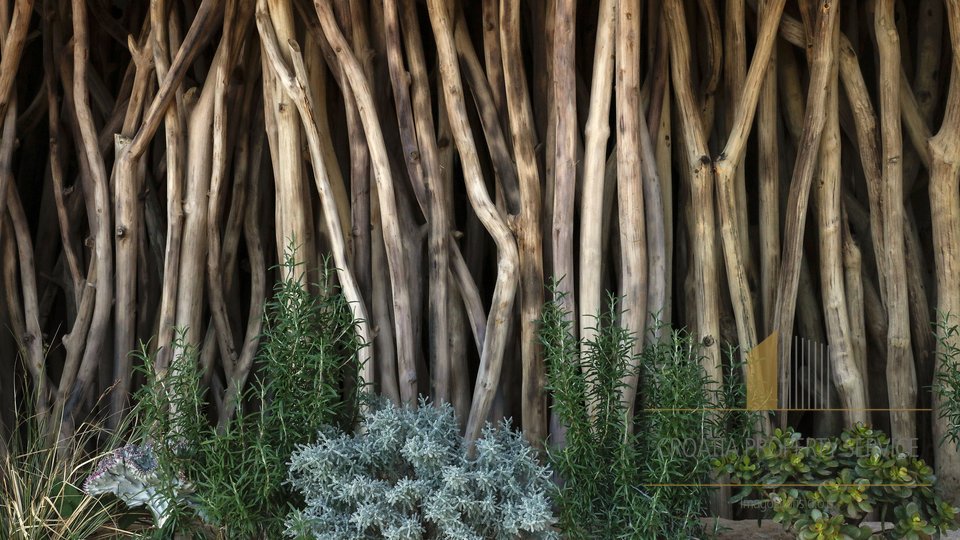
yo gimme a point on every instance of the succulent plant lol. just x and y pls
(825, 489)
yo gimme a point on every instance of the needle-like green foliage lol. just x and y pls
(947, 384)
(599, 465)
(231, 482)
(646, 482)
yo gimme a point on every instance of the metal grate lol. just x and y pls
(809, 369)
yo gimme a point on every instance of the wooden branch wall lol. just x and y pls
(735, 167)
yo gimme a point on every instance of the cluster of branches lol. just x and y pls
(451, 156)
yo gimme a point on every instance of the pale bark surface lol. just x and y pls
(733, 168)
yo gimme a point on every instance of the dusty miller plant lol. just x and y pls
(408, 474)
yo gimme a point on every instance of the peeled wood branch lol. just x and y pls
(768, 171)
(392, 232)
(704, 254)
(251, 338)
(104, 254)
(192, 268)
(901, 374)
(423, 168)
(595, 150)
(295, 83)
(945, 217)
(850, 386)
(529, 241)
(218, 306)
(815, 117)
(496, 135)
(175, 158)
(127, 214)
(29, 334)
(294, 213)
(491, 358)
(564, 154)
(440, 219)
(13, 43)
(865, 121)
(726, 166)
(734, 74)
(629, 181)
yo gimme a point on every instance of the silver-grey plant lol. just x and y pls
(406, 475)
(132, 473)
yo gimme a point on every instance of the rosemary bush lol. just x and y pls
(640, 483)
(407, 475)
(233, 479)
(947, 385)
(682, 420)
(600, 463)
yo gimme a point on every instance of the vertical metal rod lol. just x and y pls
(805, 391)
(793, 374)
(824, 375)
(810, 364)
(829, 377)
(819, 375)
(812, 392)
(809, 393)
(814, 382)
(817, 368)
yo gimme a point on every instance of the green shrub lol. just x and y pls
(599, 466)
(947, 384)
(233, 479)
(826, 488)
(407, 474)
(682, 421)
(641, 483)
